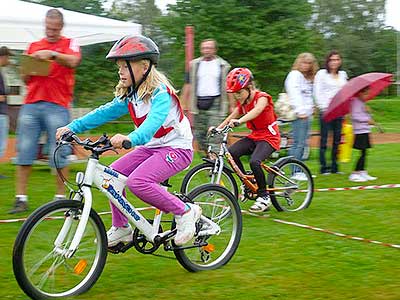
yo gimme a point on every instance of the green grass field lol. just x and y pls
(274, 261)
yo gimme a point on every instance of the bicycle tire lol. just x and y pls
(43, 272)
(300, 195)
(187, 182)
(219, 205)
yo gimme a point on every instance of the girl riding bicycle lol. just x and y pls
(256, 109)
(162, 132)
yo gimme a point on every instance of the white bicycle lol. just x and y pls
(61, 249)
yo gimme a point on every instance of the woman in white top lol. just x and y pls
(327, 83)
(299, 87)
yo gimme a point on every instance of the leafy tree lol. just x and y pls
(96, 77)
(93, 7)
(356, 29)
(265, 36)
(144, 12)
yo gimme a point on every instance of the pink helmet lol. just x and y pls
(238, 79)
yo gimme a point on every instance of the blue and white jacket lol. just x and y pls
(162, 113)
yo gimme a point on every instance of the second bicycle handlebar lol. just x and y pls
(225, 129)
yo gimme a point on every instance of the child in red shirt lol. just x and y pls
(256, 109)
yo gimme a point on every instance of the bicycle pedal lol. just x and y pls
(117, 248)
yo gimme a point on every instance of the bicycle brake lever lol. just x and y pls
(67, 137)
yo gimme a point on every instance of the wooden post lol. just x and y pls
(189, 52)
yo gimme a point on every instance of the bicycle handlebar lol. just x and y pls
(126, 144)
(217, 131)
(103, 144)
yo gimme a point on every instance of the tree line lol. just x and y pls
(263, 35)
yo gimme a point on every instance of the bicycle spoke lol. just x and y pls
(294, 190)
(41, 268)
(221, 238)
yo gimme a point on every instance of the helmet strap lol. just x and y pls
(248, 96)
(135, 87)
(132, 90)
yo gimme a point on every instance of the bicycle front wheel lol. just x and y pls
(40, 266)
(212, 251)
(293, 188)
(203, 174)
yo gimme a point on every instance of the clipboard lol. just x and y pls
(34, 67)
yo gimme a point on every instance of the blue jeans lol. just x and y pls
(32, 120)
(4, 124)
(301, 131)
(336, 127)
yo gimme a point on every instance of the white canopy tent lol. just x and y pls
(22, 23)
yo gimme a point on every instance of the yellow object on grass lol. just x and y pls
(346, 144)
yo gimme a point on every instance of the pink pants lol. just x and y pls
(145, 169)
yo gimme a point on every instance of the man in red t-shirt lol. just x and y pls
(46, 105)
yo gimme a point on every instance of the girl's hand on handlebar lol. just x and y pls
(211, 130)
(118, 139)
(61, 131)
(234, 123)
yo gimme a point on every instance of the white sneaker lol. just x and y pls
(119, 234)
(367, 176)
(300, 176)
(357, 177)
(262, 204)
(186, 224)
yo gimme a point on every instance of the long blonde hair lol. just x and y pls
(303, 57)
(154, 79)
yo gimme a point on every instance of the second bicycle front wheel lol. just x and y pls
(215, 250)
(293, 188)
(40, 266)
(203, 174)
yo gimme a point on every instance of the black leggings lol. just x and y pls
(259, 150)
(361, 161)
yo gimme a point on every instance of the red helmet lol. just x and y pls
(238, 79)
(134, 47)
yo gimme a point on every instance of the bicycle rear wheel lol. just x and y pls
(219, 206)
(293, 189)
(41, 269)
(203, 174)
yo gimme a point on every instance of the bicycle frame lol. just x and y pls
(111, 183)
(246, 179)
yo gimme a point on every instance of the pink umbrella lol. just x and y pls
(340, 103)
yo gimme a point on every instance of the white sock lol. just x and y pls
(59, 196)
(23, 198)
